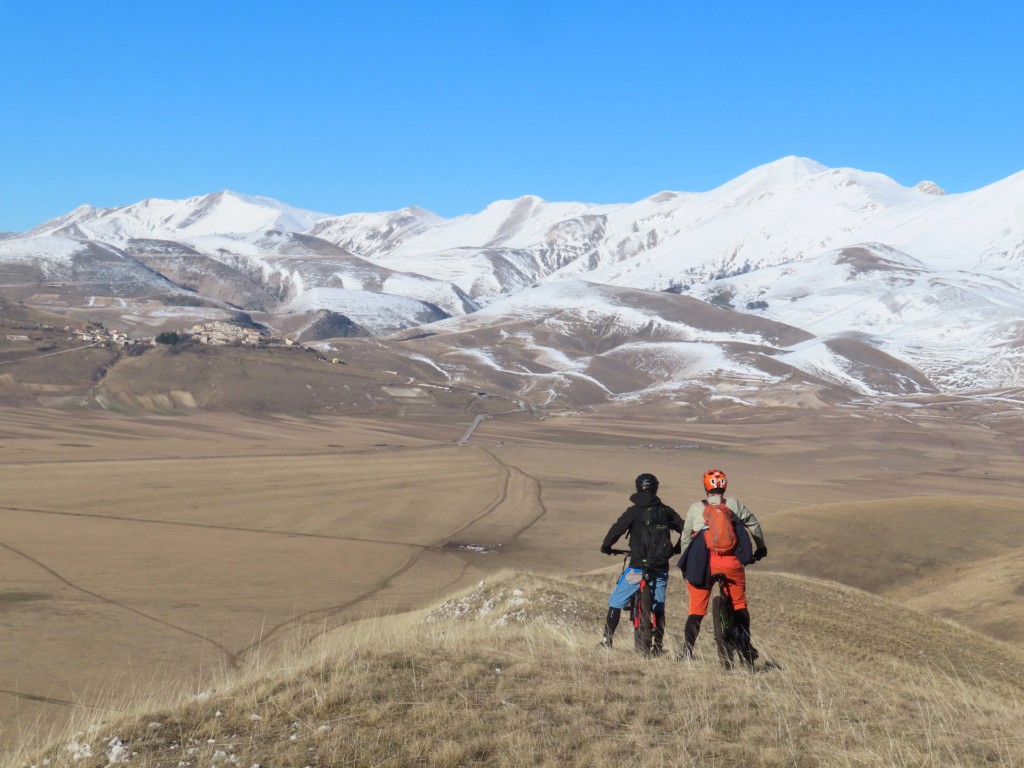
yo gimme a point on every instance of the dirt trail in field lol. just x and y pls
(516, 507)
(213, 527)
(109, 600)
(521, 507)
(513, 506)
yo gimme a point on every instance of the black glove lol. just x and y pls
(605, 549)
(678, 548)
(760, 552)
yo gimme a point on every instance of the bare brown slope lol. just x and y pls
(276, 380)
(956, 557)
(225, 378)
(198, 272)
(881, 371)
(585, 357)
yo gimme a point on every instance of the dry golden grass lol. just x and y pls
(507, 674)
(959, 557)
(141, 551)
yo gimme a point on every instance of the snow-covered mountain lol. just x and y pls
(217, 213)
(883, 288)
(779, 213)
(249, 252)
(963, 329)
(49, 264)
(932, 279)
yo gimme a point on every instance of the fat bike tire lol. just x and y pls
(723, 623)
(643, 628)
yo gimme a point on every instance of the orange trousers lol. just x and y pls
(735, 585)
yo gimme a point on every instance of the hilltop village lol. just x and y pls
(216, 333)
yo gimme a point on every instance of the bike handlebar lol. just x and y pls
(619, 552)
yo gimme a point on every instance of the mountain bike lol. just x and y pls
(645, 621)
(732, 641)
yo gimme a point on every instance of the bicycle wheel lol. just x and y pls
(721, 615)
(643, 630)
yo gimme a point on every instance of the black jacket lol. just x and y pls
(645, 505)
(696, 560)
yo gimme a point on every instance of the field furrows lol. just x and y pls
(375, 584)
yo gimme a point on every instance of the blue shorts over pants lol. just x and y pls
(629, 583)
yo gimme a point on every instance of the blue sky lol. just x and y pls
(344, 106)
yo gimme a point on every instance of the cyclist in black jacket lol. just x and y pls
(648, 524)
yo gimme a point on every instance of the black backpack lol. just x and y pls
(650, 538)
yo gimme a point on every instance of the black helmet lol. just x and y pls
(647, 482)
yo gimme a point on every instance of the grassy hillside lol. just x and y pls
(958, 557)
(508, 675)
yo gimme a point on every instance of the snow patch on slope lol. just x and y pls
(377, 312)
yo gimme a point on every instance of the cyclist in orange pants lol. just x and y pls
(735, 585)
(702, 559)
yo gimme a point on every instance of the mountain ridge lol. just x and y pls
(935, 282)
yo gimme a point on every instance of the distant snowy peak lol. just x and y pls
(374, 234)
(262, 212)
(780, 212)
(667, 196)
(522, 223)
(784, 170)
(797, 176)
(929, 188)
(65, 225)
(218, 213)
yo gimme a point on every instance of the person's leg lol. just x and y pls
(736, 589)
(748, 652)
(625, 588)
(699, 599)
(658, 609)
(690, 634)
(743, 622)
(611, 621)
(660, 590)
(658, 638)
(736, 582)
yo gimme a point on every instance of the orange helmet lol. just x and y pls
(714, 481)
